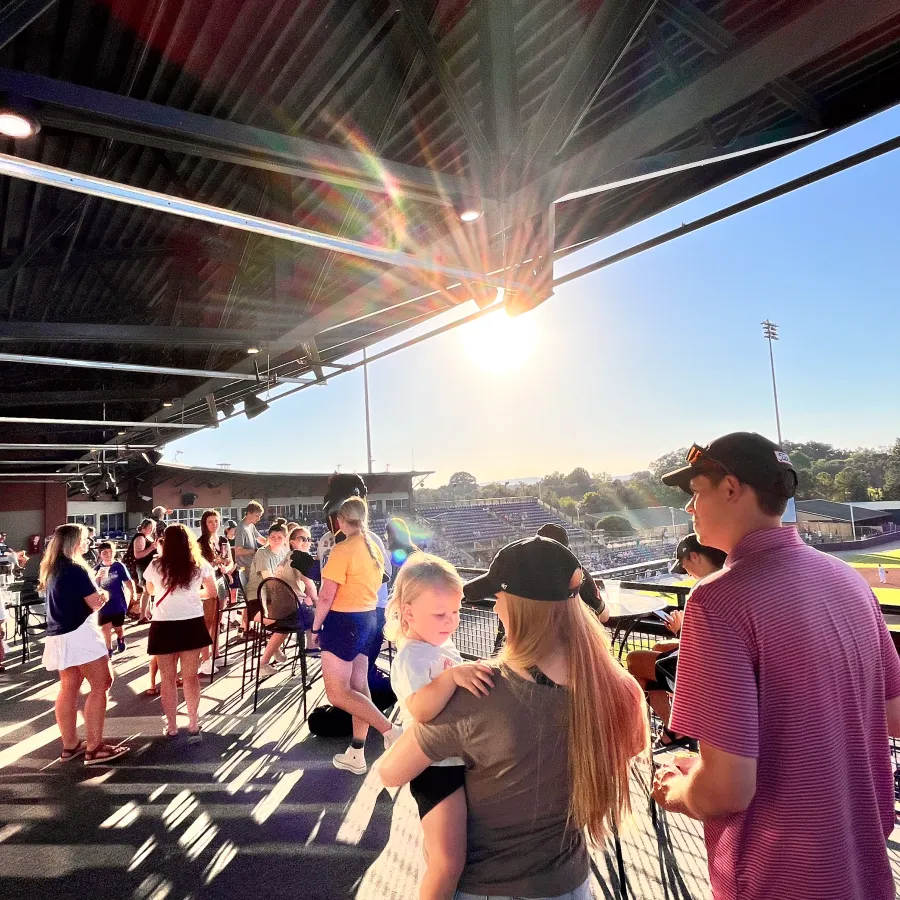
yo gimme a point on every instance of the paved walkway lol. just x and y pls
(255, 810)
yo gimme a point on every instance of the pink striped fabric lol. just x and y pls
(785, 657)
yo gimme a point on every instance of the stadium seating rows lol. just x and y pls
(506, 520)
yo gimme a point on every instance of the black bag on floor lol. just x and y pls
(330, 722)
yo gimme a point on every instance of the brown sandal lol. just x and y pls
(104, 753)
(152, 691)
(77, 750)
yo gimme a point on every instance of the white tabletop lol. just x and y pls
(634, 603)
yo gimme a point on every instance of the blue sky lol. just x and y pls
(645, 356)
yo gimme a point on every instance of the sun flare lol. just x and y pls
(498, 343)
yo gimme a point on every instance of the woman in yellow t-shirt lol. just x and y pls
(345, 626)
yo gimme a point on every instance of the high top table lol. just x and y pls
(626, 608)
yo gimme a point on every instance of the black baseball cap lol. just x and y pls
(554, 532)
(691, 544)
(750, 457)
(537, 568)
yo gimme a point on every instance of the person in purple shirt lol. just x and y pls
(789, 680)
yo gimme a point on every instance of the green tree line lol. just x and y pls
(824, 472)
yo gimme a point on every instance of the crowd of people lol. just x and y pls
(519, 764)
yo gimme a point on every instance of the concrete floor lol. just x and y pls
(256, 810)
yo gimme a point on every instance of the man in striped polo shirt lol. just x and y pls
(788, 678)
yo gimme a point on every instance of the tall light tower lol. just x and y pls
(770, 333)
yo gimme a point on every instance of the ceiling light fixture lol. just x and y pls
(470, 215)
(168, 403)
(15, 125)
(253, 348)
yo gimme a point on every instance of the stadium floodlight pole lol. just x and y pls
(770, 333)
(365, 369)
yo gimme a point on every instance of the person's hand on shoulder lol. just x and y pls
(474, 677)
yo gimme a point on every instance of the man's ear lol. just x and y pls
(732, 488)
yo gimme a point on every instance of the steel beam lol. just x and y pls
(74, 475)
(53, 462)
(588, 67)
(134, 367)
(89, 111)
(85, 397)
(787, 187)
(717, 39)
(95, 423)
(89, 333)
(794, 97)
(499, 76)
(820, 31)
(63, 219)
(17, 15)
(95, 447)
(110, 190)
(663, 164)
(700, 27)
(415, 21)
(315, 361)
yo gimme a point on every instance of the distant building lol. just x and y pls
(827, 520)
(186, 491)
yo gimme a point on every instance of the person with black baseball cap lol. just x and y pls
(655, 669)
(782, 649)
(589, 592)
(548, 750)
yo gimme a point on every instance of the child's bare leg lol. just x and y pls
(444, 829)
(154, 668)
(107, 631)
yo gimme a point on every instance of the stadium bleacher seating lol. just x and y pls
(457, 529)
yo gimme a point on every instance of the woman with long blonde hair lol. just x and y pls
(548, 751)
(345, 625)
(75, 647)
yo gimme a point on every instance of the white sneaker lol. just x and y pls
(266, 669)
(279, 656)
(351, 761)
(392, 736)
(206, 667)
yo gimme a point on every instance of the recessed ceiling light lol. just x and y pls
(15, 125)
(470, 215)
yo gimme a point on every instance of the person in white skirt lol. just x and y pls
(75, 647)
(178, 629)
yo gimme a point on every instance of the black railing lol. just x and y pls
(480, 632)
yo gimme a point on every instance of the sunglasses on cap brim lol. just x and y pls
(697, 457)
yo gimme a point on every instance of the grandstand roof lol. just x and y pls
(840, 512)
(654, 517)
(139, 477)
(373, 121)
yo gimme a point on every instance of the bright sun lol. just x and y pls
(498, 343)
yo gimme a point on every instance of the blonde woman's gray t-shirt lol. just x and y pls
(514, 745)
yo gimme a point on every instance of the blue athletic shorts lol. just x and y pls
(348, 634)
